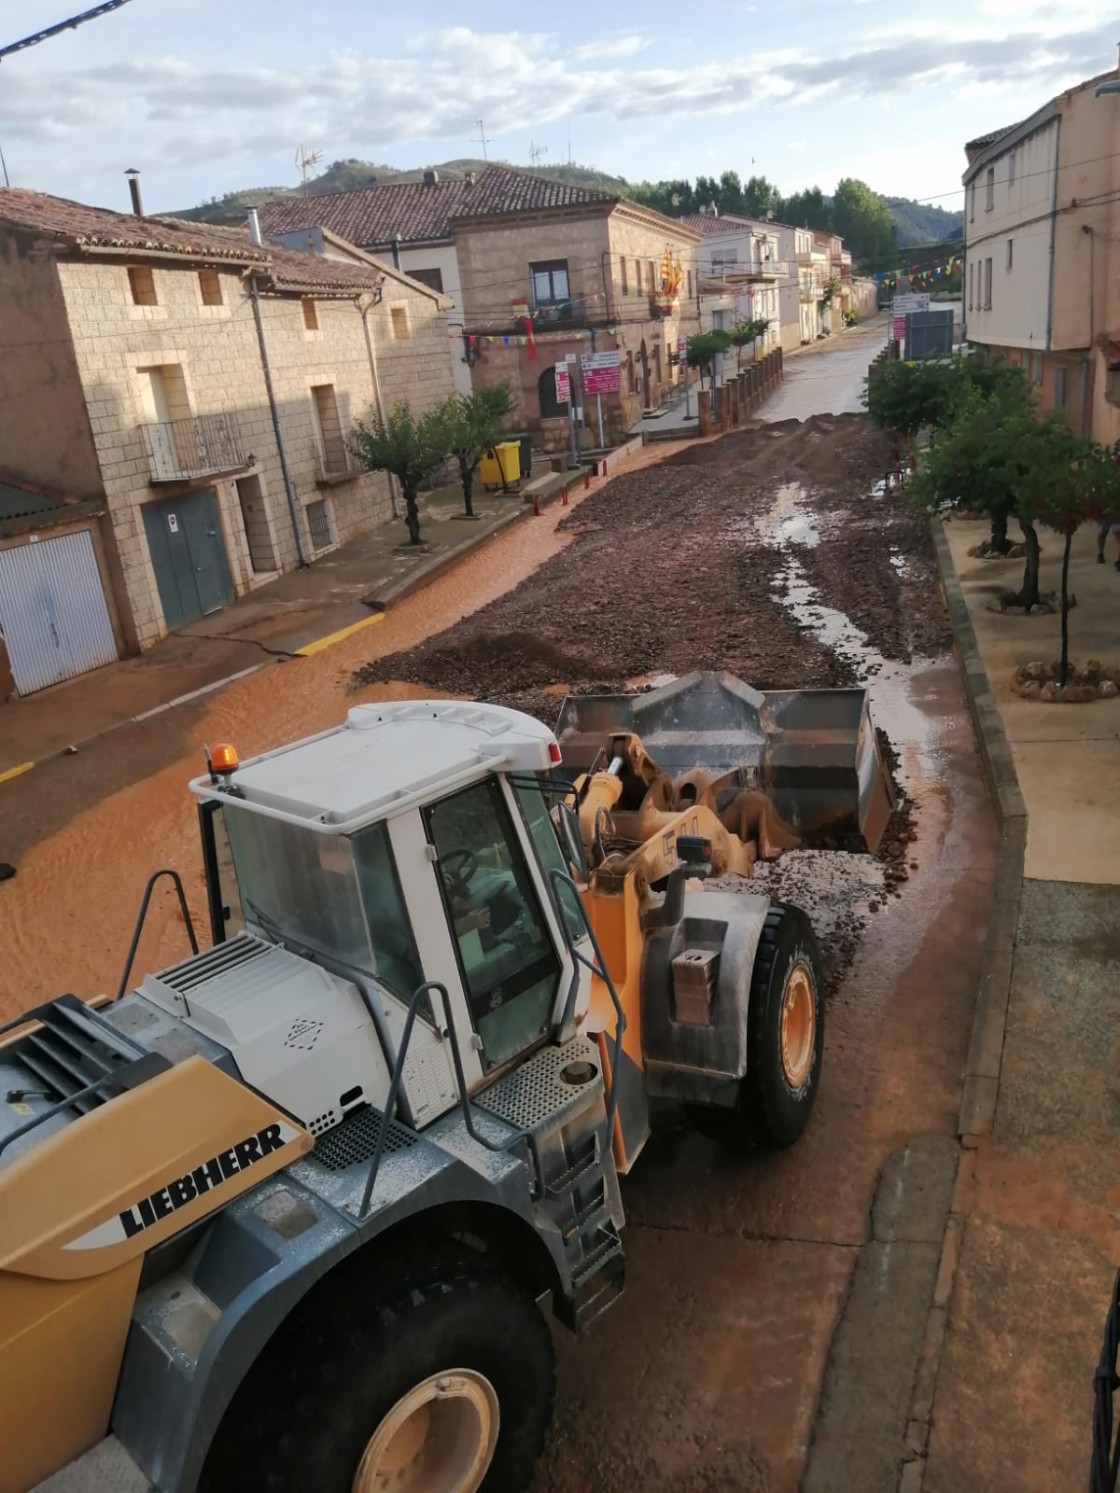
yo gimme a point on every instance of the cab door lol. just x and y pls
(505, 947)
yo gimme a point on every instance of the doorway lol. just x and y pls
(254, 515)
(188, 556)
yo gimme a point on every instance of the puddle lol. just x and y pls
(900, 563)
(787, 522)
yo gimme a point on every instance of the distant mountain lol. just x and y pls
(915, 222)
(918, 223)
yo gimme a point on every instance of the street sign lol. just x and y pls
(600, 372)
(563, 385)
(902, 305)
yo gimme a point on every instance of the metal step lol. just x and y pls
(598, 1281)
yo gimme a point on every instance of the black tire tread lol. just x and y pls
(756, 1110)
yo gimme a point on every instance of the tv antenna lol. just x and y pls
(305, 159)
(535, 153)
(483, 138)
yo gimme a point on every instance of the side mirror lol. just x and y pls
(571, 840)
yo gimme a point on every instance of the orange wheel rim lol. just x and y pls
(798, 1026)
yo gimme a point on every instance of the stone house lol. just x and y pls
(133, 393)
(1042, 251)
(541, 273)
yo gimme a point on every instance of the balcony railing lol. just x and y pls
(571, 310)
(179, 450)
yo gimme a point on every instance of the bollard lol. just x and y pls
(586, 479)
(564, 497)
(537, 504)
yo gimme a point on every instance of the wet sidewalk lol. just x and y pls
(300, 613)
(1034, 1236)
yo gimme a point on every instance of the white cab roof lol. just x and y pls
(385, 758)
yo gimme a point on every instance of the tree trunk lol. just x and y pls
(1028, 596)
(1063, 667)
(466, 479)
(999, 543)
(411, 512)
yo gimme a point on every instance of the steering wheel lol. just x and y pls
(457, 868)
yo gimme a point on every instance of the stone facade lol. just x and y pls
(116, 374)
(604, 305)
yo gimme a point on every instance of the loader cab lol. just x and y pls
(412, 846)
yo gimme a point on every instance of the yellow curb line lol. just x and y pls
(334, 637)
(16, 772)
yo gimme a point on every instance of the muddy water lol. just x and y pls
(67, 917)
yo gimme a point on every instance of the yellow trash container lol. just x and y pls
(505, 461)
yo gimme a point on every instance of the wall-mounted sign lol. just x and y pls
(563, 385)
(173, 522)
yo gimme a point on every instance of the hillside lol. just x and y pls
(915, 222)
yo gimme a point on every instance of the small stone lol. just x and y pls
(1036, 670)
(1078, 694)
(913, 865)
(1092, 671)
(873, 906)
(1030, 690)
(71, 751)
(1049, 692)
(7, 871)
(1108, 689)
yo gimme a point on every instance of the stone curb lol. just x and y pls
(980, 1089)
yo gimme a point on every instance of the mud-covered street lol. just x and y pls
(773, 553)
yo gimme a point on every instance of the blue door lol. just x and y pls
(188, 556)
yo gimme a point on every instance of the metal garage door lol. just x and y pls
(188, 556)
(52, 611)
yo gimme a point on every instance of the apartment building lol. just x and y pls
(1042, 252)
(175, 401)
(750, 260)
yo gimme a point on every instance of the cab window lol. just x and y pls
(509, 965)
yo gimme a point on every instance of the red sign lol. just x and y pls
(601, 372)
(563, 385)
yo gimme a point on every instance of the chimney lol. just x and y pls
(430, 178)
(469, 178)
(134, 190)
(254, 227)
(396, 247)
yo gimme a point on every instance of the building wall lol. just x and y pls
(1020, 214)
(444, 258)
(45, 433)
(217, 350)
(494, 260)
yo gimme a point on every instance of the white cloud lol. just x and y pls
(164, 111)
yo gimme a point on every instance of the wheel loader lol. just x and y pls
(281, 1216)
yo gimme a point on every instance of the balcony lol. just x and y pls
(205, 446)
(573, 310)
(729, 272)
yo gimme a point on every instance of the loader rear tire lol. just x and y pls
(785, 1030)
(434, 1374)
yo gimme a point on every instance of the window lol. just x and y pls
(550, 283)
(990, 189)
(210, 288)
(334, 895)
(653, 281)
(398, 322)
(987, 285)
(1036, 368)
(319, 524)
(551, 407)
(1010, 252)
(970, 287)
(1112, 386)
(1010, 168)
(508, 962)
(638, 276)
(972, 203)
(310, 314)
(142, 283)
(433, 279)
(1061, 393)
(543, 834)
(622, 275)
(688, 281)
(331, 442)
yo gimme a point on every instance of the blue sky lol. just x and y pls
(204, 96)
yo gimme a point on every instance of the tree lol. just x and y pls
(743, 333)
(730, 196)
(703, 350)
(863, 220)
(474, 423)
(760, 197)
(807, 209)
(903, 398)
(407, 445)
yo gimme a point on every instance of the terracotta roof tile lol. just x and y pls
(76, 226)
(371, 216)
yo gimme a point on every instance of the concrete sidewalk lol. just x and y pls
(1033, 1238)
(299, 613)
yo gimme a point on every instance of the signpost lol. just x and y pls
(901, 307)
(601, 373)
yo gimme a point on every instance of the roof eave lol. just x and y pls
(1013, 136)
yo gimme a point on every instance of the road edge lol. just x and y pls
(980, 1086)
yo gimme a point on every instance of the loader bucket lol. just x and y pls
(813, 751)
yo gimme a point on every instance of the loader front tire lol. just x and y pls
(437, 1378)
(785, 1030)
